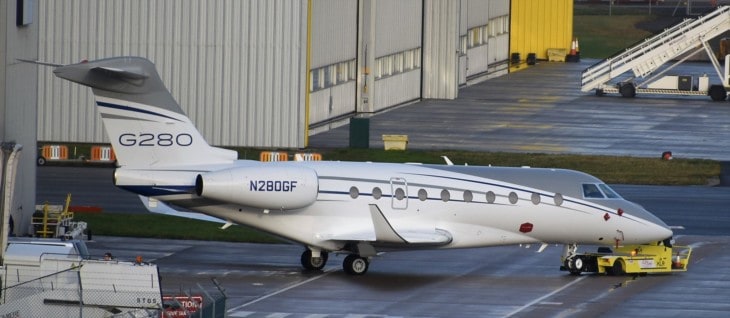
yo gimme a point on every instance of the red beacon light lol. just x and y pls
(620, 212)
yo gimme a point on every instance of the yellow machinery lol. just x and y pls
(632, 259)
(56, 221)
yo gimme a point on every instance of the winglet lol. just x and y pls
(384, 232)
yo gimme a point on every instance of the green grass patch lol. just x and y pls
(170, 227)
(623, 170)
(603, 36)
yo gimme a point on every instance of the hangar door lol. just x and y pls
(483, 38)
(333, 59)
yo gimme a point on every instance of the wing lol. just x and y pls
(384, 233)
(155, 206)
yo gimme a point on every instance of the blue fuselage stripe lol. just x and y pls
(132, 109)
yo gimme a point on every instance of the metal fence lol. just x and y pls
(32, 292)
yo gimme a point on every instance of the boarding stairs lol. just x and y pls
(647, 58)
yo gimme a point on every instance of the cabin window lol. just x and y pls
(400, 194)
(491, 197)
(558, 198)
(535, 198)
(513, 197)
(468, 196)
(377, 193)
(422, 195)
(445, 195)
(591, 191)
(354, 192)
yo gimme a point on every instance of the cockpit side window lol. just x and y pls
(608, 191)
(591, 191)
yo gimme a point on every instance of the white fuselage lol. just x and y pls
(417, 200)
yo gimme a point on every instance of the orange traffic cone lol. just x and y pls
(574, 55)
(572, 48)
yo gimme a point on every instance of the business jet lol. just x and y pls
(356, 208)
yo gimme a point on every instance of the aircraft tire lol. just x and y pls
(627, 90)
(311, 263)
(355, 265)
(577, 264)
(717, 93)
(617, 269)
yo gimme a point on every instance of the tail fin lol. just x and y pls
(146, 126)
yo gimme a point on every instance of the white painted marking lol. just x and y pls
(327, 272)
(530, 304)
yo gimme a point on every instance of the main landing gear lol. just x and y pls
(353, 264)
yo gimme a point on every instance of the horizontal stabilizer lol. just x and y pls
(137, 74)
(155, 206)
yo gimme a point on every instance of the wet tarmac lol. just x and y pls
(542, 110)
(267, 281)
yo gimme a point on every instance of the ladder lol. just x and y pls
(647, 56)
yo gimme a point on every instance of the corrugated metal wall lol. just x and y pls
(492, 55)
(540, 25)
(397, 29)
(334, 40)
(334, 31)
(236, 67)
(440, 43)
(397, 26)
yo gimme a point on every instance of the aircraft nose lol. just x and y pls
(654, 228)
(659, 232)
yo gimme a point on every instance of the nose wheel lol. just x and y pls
(314, 263)
(355, 264)
(575, 264)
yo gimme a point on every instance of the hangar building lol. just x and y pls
(261, 73)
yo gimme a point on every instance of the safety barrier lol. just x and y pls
(55, 152)
(273, 156)
(102, 153)
(269, 156)
(307, 157)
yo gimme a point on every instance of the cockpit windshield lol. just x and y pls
(608, 191)
(599, 191)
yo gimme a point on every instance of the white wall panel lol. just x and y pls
(477, 12)
(397, 26)
(499, 49)
(334, 31)
(440, 44)
(332, 102)
(236, 67)
(498, 8)
(478, 59)
(398, 89)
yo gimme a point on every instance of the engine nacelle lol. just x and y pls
(263, 187)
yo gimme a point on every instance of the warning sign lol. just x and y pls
(180, 306)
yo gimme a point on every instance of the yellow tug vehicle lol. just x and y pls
(630, 259)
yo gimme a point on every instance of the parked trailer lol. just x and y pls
(630, 259)
(58, 278)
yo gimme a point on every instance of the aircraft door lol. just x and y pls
(399, 191)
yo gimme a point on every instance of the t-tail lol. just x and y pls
(145, 124)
